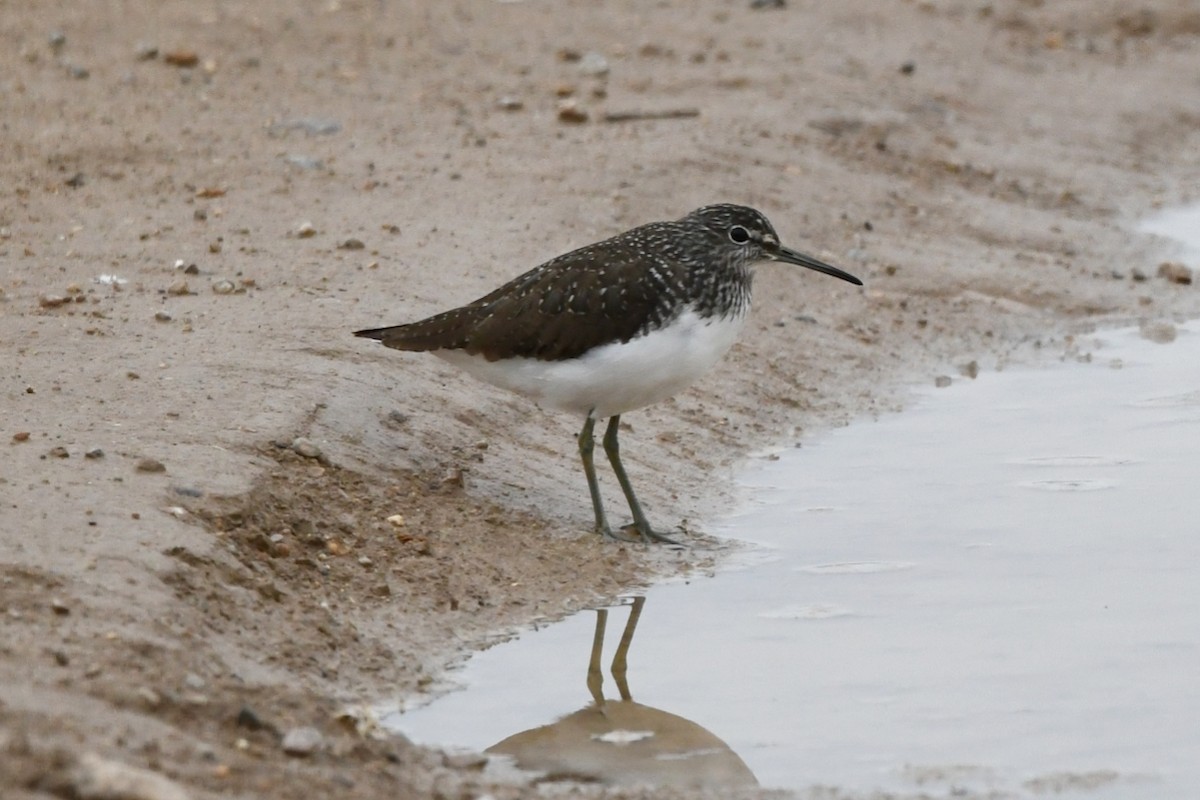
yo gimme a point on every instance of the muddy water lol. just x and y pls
(995, 591)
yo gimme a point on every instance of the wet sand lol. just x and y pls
(261, 181)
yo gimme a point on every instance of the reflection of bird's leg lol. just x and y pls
(619, 666)
(595, 678)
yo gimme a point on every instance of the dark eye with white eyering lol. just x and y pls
(739, 235)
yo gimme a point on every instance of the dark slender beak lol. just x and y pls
(789, 256)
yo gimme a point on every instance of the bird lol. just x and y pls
(613, 327)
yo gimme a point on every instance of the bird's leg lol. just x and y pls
(595, 676)
(620, 665)
(586, 446)
(640, 523)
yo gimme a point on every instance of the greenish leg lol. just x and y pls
(587, 445)
(612, 449)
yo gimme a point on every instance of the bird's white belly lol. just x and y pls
(614, 378)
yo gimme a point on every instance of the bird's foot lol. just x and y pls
(639, 534)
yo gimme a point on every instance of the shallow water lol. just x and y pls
(1000, 585)
(996, 591)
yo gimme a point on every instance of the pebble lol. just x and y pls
(570, 113)
(593, 64)
(21, 436)
(313, 126)
(181, 58)
(163, 316)
(56, 39)
(304, 447)
(52, 300)
(396, 520)
(59, 607)
(942, 381)
(59, 452)
(223, 287)
(970, 369)
(305, 230)
(351, 244)
(151, 465)
(145, 51)
(97, 778)
(302, 742)
(1137, 275)
(249, 719)
(304, 162)
(475, 761)
(1175, 272)
(193, 681)
(179, 288)
(94, 453)
(509, 103)
(79, 73)
(1158, 332)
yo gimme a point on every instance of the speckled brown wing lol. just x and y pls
(609, 287)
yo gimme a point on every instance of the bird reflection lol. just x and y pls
(622, 742)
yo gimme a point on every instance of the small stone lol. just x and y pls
(396, 520)
(908, 68)
(150, 697)
(76, 180)
(1175, 272)
(471, 761)
(247, 718)
(509, 103)
(305, 230)
(570, 113)
(942, 381)
(21, 436)
(304, 447)
(594, 65)
(351, 244)
(163, 316)
(223, 287)
(181, 58)
(60, 608)
(52, 300)
(1138, 275)
(1159, 332)
(151, 465)
(302, 742)
(56, 40)
(759, 5)
(59, 452)
(193, 681)
(79, 73)
(145, 51)
(970, 370)
(94, 453)
(304, 162)
(178, 288)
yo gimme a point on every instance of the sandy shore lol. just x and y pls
(199, 202)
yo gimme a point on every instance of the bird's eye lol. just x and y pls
(739, 235)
